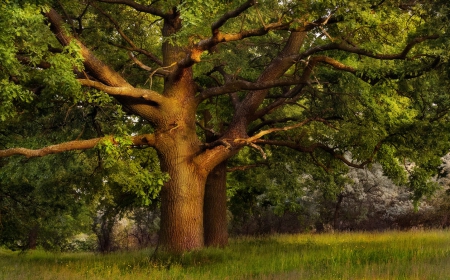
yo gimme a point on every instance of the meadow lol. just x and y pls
(386, 255)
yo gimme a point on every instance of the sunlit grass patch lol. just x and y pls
(387, 255)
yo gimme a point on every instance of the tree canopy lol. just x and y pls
(199, 84)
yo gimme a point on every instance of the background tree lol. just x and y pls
(344, 82)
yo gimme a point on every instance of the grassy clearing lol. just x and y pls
(389, 255)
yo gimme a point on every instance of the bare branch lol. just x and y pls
(208, 130)
(258, 148)
(138, 7)
(160, 71)
(139, 63)
(293, 94)
(140, 140)
(219, 37)
(318, 163)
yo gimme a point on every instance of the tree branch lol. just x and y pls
(158, 71)
(97, 68)
(145, 94)
(231, 14)
(310, 149)
(285, 128)
(245, 167)
(270, 122)
(226, 147)
(27, 61)
(128, 40)
(237, 85)
(139, 63)
(138, 7)
(356, 50)
(140, 140)
(290, 96)
(218, 37)
(206, 130)
(194, 54)
(276, 69)
(340, 66)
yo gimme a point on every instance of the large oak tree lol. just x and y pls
(343, 82)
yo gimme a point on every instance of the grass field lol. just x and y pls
(388, 255)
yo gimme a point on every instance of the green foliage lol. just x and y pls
(391, 166)
(421, 185)
(24, 38)
(41, 202)
(10, 93)
(133, 171)
(59, 79)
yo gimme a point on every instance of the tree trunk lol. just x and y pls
(215, 207)
(32, 237)
(336, 210)
(182, 196)
(182, 209)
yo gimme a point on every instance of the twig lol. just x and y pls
(156, 70)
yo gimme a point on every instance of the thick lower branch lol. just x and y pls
(145, 94)
(97, 68)
(146, 139)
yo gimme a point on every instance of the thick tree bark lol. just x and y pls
(215, 207)
(182, 203)
(177, 144)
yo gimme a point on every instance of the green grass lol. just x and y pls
(389, 255)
